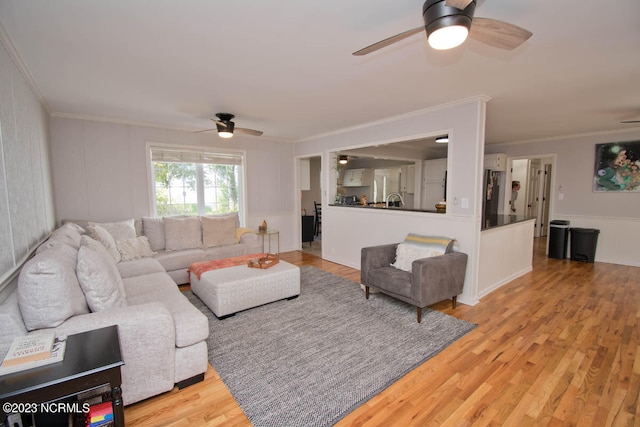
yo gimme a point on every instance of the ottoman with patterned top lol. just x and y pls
(229, 290)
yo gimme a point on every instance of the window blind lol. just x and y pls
(162, 154)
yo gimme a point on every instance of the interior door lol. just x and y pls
(546, 199)
(533, 191)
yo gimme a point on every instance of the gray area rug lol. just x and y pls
(312, 360)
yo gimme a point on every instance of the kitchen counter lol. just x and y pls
(494, 221)
(392, 208)
(505, 252)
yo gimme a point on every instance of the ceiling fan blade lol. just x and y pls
(386, 42)
(498, 34)
(248, 131)
(460, 4)
(204, 130)
(630, 121)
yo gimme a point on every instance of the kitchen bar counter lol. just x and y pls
(392, 208)
(506, 252)
(494, 221)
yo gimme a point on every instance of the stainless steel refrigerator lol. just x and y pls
(491, 196)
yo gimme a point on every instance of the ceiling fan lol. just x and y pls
(226, 128)
(448, 22)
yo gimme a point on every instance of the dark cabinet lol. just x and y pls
(307, 228)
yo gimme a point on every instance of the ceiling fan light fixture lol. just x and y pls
(225, 130)
(448, 37)
(447, 27)
(442, 139)
(343, 159)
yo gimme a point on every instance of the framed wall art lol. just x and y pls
(617, 167)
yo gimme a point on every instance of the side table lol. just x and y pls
(92, 359)
(270, 232)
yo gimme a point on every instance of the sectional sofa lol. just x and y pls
(99, 275)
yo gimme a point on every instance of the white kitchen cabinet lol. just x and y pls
(357, 178)
(407, 179)
(435, 170)
(495, 162)
(433, 183)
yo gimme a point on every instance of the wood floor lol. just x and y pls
(559, 346)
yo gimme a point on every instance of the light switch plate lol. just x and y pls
(465, 202)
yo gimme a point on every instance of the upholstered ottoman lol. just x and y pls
(229, 290)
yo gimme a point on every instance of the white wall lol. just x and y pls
(26, 200)
(347, 230)
(615, 214)
(100, 172)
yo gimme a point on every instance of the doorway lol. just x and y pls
(310, 195)
(534, 197)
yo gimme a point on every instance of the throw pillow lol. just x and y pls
(107, 240)
(48, 289)
(134, 248)
(55, 242)
(406, 253)
(233, 215)
(99, 248)
(154, 230)
(437, 243)
(182, 233)
(121, 230)
(97, 280)
(242, 231)
(218, 231)
(67, 234)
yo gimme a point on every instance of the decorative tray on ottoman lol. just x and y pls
(267, 261)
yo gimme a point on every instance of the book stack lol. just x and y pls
(100, 415)
(33, 350)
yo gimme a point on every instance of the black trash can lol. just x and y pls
(583, 244)
(558, 238)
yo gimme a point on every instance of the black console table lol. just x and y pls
(307, 229)
(92, 359)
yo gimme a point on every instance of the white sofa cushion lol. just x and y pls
(106, 239)
(11, 321)
(68, 234)
(100, 284)
(134, 248)
(154, 230)
(218, 231)
(191, 326)
(182, 233)
(98, 247)
(175, 260)
(48, 289)
(120, 230)
(139, 267)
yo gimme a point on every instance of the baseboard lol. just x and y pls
(190, 381)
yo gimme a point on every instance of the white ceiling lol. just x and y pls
(285, 66)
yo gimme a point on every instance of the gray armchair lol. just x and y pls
(431, 279)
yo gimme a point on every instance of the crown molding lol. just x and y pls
(7, 42)
(567, 137)
(120, 121)
(483, 98)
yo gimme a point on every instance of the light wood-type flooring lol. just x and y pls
(559, 346)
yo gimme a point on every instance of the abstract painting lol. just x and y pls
(617, 167)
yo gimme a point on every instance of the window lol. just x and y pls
(192, 182)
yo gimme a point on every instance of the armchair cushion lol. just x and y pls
(406, 253)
